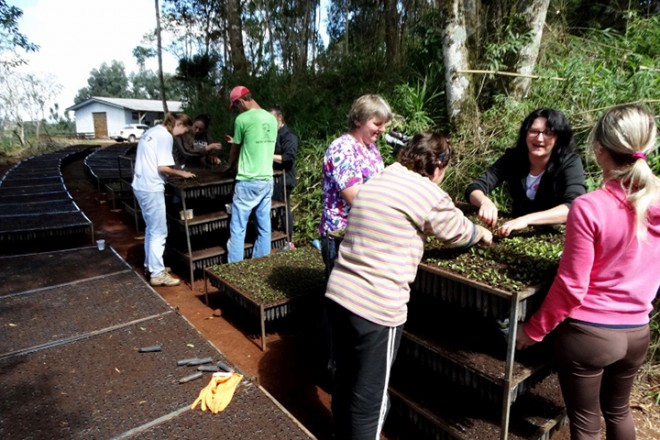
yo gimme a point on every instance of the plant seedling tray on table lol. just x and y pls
(270, 287)
(486, 278)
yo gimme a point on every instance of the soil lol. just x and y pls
(285, 369)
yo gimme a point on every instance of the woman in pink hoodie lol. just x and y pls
(608, 277)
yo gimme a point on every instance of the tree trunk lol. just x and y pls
(307, 32)
(235, 32)
(317, 26)
(161, 78)
(473, 29)
(461, 102)
(391, 33)
(271, 37)
(534, 12)
(346, 15)
(19, 131)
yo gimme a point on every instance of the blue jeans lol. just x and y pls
(248, 196)
(329, 252)
(152, 205)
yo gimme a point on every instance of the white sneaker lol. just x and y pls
(164, 279)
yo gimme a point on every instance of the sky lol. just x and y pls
(76, 36)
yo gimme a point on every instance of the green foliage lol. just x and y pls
(600, 68)
(108, 80)
(654, 162)
(6, 146)
(145, 84)
(424, 43)
(414, 102)
(480, 147)
(141, 54)
(502, 53)
(112, 81)
(10, 36)
(597, 76)
(307, 194)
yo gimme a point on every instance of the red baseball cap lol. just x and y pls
(237, 93)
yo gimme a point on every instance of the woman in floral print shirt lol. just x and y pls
(350, 161)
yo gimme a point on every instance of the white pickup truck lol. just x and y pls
(130, 133)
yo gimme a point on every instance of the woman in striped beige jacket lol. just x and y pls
(368, 289)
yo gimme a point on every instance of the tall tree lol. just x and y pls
(25, 94)
(293, 32)
(461, 102)
(533, 17)
(10, 36)
(37, 92)
(502, 37)
(141, 54)
(361, 24)
(392, 36)
(145, 84)
(107, 80)
(235, 37)
(198, 26)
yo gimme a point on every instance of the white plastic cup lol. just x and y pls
(100, 244)
(186, 215)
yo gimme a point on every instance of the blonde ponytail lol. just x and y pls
(629, 133)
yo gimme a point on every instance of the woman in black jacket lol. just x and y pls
(543, 174)
(286, 150)
(193, 150)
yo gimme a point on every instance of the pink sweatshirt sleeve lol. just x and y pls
(572, 281)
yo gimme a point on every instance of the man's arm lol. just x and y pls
(233, 152)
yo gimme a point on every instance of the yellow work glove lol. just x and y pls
(218, 393)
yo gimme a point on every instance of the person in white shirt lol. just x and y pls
(153, 164)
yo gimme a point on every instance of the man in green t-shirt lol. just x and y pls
(253, 144)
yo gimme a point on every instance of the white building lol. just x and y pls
(101, 117)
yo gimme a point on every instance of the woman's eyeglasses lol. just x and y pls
(536, 133)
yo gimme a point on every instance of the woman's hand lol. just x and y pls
(522, 340)
(485, 236)
(488, 213)
(513, 225)
(214, 146)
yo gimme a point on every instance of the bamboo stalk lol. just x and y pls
(499, 72)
